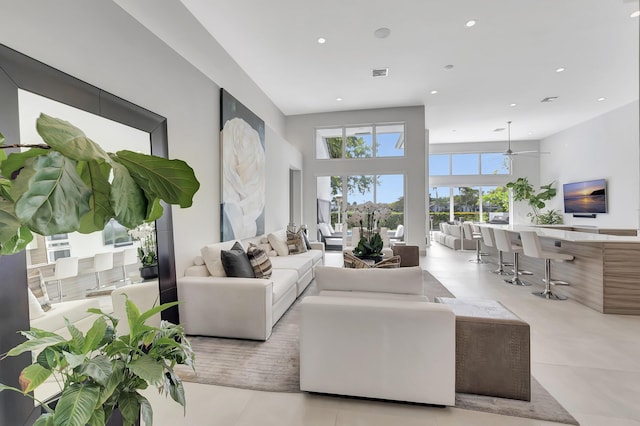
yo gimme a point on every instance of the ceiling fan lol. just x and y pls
(510, 153)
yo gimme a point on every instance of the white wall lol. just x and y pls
(522, 166)
(300, 130)
(604, 147)
(98, 42)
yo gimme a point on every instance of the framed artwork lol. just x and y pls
(243, 169)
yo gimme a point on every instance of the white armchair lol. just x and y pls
(389, 343)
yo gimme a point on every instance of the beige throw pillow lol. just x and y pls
(295, 242)
(39, 290)
(211, 257)
(259, 261)
(278, 244)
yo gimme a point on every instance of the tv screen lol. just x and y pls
(585, 197)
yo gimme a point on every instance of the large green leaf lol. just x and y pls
(129, 407)
(33, 376)
(35, 344)
(155, 310)
(76, 405)
(74, 359)
(2, 139)
(5, 188)
(98, 368)
(98, 417)
(67, 139)
(15, 161)
(115, 379)
(94, 335)
(146, 411)
(9, 223)
(154, 210)
(127, 198)
(96, 176)
(133, 313)
(170, 180)
(18, 243)
(77, 338)
(45, 420)
(147, 369)
(55, 197)
(176, 389)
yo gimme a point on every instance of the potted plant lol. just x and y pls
(100, 371)
(146, 234)
(66, 184)
(524, 191)
(371, 243)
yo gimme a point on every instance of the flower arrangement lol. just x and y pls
(146, 234)
(369, 216)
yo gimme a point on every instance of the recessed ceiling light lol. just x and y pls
(433, 92)
(601, 99)
(530, 133)
(448, 67)
(635, 14)
(512, 105)
(382, 32)
(339, 99)
(559, 69)
(322, 40)
(470, 23)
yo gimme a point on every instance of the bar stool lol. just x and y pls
(129, 257)
(488, 238)
(503, 244)
(468, 233)
(66, 267)
(532, 248)
(101, 262)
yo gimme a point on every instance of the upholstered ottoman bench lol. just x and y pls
(492, 349)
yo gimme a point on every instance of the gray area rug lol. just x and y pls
(274, 366)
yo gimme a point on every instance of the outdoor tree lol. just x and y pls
(497, 197)
(354, 148)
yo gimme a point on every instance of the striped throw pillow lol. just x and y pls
(351, 261)
(259, 261)
(39, 289)
(392, 262)
(295, 242)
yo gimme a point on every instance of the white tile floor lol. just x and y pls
(590, 362)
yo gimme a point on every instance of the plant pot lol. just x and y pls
(149, 272)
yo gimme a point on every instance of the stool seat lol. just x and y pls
(503, 243)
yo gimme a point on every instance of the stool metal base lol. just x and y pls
(502, 272)
(517, 281)
(548, 294)
(525, 272)
(556, 282)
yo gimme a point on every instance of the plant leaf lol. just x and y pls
(132, 315)
(129, 407)
(98, 368)
(5, 188)
(76, 405)
(77, 338)
(18, 243)
(146, 410)
(170, 180)
(55, 197)
(33, 376)
(94, 335)
(154, 210)
(47, 358)
(96, 175)
(67, 139)
(98, 417)
(35, 344)
(127, 198)
(147, 369)
(115, 379)
(151, 312)
(9, 223)
(176, 388)
(15, 161)
(45, 420)
(74, 359)
(2, 139)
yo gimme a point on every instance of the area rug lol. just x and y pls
(274, 366)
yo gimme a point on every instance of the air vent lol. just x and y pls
(380, 72)
(499, 129)
(549, 99)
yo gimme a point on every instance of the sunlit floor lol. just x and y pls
(590, 362)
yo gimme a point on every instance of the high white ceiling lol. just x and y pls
(509, 56)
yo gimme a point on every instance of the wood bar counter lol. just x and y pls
(605, 274)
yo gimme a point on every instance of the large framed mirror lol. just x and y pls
(26, 78)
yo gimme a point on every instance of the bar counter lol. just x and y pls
(605, 274)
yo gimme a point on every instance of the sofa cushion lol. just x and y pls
(314, 254)
(397, 280)
(283, 281)
(73, 310)
(279, 243)
(298, 263)
(211, 256)
(35, 310)
(295, 242)
(236, 262)
(260, 262)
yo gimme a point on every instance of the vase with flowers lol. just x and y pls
(146, 234)
(368, 217)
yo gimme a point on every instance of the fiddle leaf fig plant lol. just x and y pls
(69, 183)
(100, 370)
(524, 191)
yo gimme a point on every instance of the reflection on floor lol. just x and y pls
(588, 361)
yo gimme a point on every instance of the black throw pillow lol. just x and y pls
(236, 262)
(305, 237)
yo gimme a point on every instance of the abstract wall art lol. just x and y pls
(243, 169)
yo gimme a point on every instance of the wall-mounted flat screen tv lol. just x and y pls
(585, 197)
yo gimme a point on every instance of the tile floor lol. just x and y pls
(590, 362)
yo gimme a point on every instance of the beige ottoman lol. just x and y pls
(492, 349)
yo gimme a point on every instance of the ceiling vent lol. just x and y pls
(499, 129)
(549, 99)
(380, 72)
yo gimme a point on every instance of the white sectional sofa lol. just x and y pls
(244, 308)
(453, 237)
(74, 310)
(372, 333)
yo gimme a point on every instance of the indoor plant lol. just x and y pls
(146, 234)
(524, 191)
(370, 244)
(99, 371)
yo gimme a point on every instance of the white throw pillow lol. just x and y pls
(278, 244)
(211, 256)
(35, 310)
(324, 229)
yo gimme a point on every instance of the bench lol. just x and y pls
(492, 349)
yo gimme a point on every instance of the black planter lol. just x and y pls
(149, 272)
